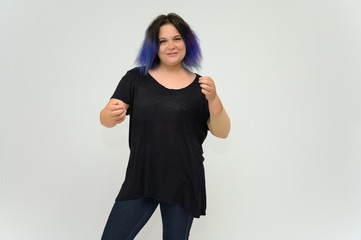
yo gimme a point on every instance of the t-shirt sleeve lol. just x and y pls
(124, 90)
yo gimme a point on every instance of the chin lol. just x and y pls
(172, 64)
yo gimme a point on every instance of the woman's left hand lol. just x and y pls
(208, 87)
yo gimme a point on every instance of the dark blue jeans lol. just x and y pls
(128, 217)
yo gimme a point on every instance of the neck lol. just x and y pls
(171, 69)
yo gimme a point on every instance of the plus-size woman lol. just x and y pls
(171, 109)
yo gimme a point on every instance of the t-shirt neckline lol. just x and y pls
(173, 89)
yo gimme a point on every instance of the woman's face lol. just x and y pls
(172, 49)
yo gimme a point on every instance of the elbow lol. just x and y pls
(219, 124)
(222, 131)
(222, 134)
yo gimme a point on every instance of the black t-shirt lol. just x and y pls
(166, 132)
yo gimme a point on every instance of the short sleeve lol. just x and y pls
(124, 90)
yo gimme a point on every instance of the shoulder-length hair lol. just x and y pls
(148, 54)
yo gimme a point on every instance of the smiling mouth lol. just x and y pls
(172, 54)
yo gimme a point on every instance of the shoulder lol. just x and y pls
(133, 75)
(136, 71)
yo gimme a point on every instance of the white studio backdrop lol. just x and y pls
(288, 73)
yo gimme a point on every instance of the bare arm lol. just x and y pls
(113, 113)
(218, 123)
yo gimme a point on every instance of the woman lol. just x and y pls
(171, 109)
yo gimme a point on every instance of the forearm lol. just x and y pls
(215, 105)
(219, 123)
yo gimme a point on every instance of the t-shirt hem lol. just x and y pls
(195, 215)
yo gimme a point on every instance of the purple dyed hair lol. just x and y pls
(148, 53)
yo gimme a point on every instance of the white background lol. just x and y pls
(288, 73)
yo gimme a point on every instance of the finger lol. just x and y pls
(117, 102)
(205, 80)
(119, 118)
(209, 96)
(207, 93)
(206, 84)
(203, 85)
(117, 113)
(207, 87)
(113, 102)
(122, 116)
(116, 107)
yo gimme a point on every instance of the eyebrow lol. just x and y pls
(173, 37)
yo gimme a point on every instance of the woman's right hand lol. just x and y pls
(113, 113)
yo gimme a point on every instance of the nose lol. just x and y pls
(171, 45)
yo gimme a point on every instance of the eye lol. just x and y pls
(162, 41)
(178, 39)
